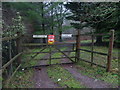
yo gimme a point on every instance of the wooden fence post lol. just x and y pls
(73, 47)
(92, 50)
(109, 58)
(50, 55)
(77, 46)
(19, 49)
(10, 56)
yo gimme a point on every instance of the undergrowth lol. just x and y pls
(22, 78)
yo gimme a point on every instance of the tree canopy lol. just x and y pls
(102, 16)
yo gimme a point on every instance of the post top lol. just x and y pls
(112, 30)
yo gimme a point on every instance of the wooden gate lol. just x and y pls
(16, 40)
(56, 46)
(77, 46)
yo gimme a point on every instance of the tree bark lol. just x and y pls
(60, 38)
(99, 40)
(43, 25)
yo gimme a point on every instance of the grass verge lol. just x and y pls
(62, 77)
(97, 73)
(22, 79)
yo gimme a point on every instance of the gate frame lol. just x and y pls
(77, 51)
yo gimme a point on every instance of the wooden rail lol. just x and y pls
(48, 65)
(89, 34)
(53, 58)
(92, 63)
(17, 39)
(94, 52)
(38, 53)
(44, 44)
(47, 52)
(9, 62)
(11, 38)
(64, 54)
(8, 81)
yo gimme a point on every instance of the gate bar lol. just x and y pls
(48, 52)
(94, 52)
(38, 53)
(92, 63)
(64, 54)
(47, 65)
(52, 58)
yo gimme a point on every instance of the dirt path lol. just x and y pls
(41, 78)
(85, 80)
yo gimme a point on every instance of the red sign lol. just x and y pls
(51, 39)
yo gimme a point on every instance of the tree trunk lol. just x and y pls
(99, 40)
(43, 25)
(60, 38)
(52, 26)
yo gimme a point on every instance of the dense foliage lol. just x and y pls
(16, 26)
(45, 17)
(101, 16)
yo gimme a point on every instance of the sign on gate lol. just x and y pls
(51, 39)
(39, 36)
(66, 35)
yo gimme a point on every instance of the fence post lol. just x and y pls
(109, 58)
(50, 55)
(10, 56)
(92, 50)
(77, 46)
(19, 49)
